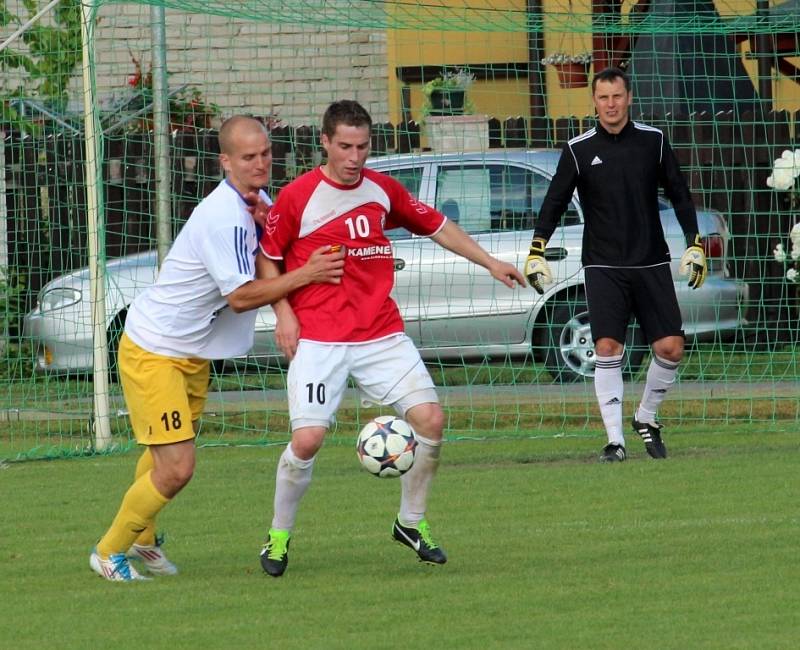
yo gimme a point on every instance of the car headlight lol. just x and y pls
(53, 299)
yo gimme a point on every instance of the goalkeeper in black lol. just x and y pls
(617, 168)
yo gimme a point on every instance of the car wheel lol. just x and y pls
(569, 347)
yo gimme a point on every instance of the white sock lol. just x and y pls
(291, 482)
(417, 481)
(660, 378)
(609, 388)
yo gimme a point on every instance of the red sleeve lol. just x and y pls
(406, 212)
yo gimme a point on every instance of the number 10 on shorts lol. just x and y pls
(316, 393)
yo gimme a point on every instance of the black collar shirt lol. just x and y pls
(617, 177)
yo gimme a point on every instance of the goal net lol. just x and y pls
(471, 102)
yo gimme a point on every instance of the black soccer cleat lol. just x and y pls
(419, 539)
(275, 553)
(651, 434)
(613, 453)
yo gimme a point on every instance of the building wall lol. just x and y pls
(293, 71)
(567, 28)
(288, 71)
(453, 48)
(577, 101)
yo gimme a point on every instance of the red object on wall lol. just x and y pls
(572, 75)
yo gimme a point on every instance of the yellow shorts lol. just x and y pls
(163, 394)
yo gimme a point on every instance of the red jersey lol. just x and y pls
(313, 211)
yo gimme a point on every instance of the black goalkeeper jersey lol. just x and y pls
(618, 176)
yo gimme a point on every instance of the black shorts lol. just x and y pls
(614, 295)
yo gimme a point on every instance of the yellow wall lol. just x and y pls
(509, 97)
(566, 101)
(577, 101)
(429, 47)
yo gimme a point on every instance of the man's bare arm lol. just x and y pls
(322, 267)
(453, 238)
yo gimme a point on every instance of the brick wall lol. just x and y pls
(290, 71)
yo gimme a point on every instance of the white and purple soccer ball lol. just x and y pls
(386, 446)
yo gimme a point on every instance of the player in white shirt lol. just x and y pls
(201, 307)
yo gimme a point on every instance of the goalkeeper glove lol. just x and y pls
(693, 262)
(537, 270)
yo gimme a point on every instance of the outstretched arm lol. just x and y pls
(453, 238)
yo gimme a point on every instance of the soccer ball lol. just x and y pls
(386, 446)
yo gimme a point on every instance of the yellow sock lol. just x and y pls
(141, 503)
(144, 465)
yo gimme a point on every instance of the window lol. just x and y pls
(540, 184)
(512, 193)
(494, 196)
(463, 193)
(410, 177)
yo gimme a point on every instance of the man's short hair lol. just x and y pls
(345, 111)
(611, 74)
(231, 124)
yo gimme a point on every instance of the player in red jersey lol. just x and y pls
(354, 329)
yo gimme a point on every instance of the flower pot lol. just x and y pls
(447, 101)
(572, 75)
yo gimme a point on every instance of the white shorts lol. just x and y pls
(387, 372)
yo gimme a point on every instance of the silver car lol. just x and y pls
(452, 308)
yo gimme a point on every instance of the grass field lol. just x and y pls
(548, 549)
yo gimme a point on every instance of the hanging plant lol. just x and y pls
(560, 58)
(572, 69)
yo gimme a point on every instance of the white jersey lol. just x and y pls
(185, 313)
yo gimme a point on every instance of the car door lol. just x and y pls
(461, 304)
(407, 248)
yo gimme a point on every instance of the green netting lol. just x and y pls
(721, 78)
